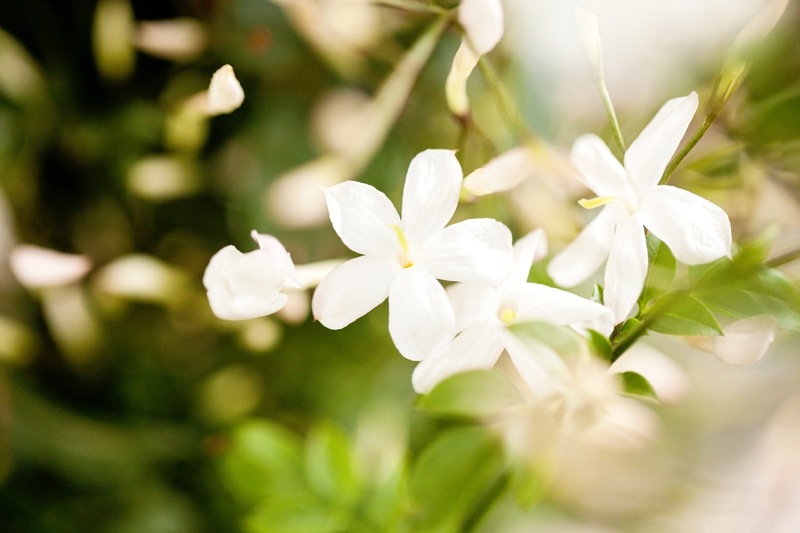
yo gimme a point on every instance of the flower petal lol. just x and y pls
(474, 251)
(225, 94)
(539, 302)
(40, 268)
(352, 290)
(626, 268)
(430, 196)
(280, 260)
(471, 303)
(502, 173)
(598, 169)
(477, 348)
(421, 321)
(575, 263)
(226, 306)
(695, 230)
(649, 154)
(538, 365)
(527, 250)
(363, 218)
(745, 341)
(483, 23)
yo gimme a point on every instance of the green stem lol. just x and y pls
(411, 6)
(493, 494)
(612, 116)
(660, 307)
(782, 259)
(504, 101)
(676, 160)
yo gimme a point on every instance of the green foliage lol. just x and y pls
(329, 464)
(686, 315)
(599, 345)
(477, 394)
(636, 384)
(597, 294)
(451, 476)
(660, 273)
(561, 339)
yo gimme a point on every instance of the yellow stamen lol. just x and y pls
(403, 244)
(508, 316)
(597, 202)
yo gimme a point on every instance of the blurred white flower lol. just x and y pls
(20, 76)
(742, 342)
(225, 94)
(695, 230)
(482, 21)
(483, 313)
(403, 258)
(142, 278)
(162, 177)
(41, 268)
(112, 37)
(181, 39)
(243, 286)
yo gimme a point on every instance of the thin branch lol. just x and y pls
(411, 6)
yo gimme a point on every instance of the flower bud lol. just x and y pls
(592, 44)
(745, 341)
(181, 39)
(243, 286)
(483, 23)
(225, 94)
(40, 268)
(456, 85)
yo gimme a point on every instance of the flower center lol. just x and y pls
(603, 200)
(508, 315)
(404, 260)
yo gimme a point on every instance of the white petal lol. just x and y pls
(421, 321)
(527, 250)
(311, 274)
(352, 290)
(483, 23)
(39, 268)
(669, 381)
(279, 258)
(598, 169)
(477, 348)
(472, 303)
(649, 154)
(225, 94)
(502, 173)
(695, 230)
(364, 218)
(181, 39)
(626, 268)
(474, 251)
(539, 302)
(590, 39)
(226, 306)
(575, 263)
(430, 196)
(745, 341)
(540, 367)
(455, 87)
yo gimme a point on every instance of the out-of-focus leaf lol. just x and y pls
(597, 294)
(528, 484)
(561, 339)
(264, 460)
(387, 503)
(686, 316)
(451, 476)
(634, 383)
(296, 514)
(660, 273)
(599, 345)
(744, 304)
(478, 393)
(329, 464)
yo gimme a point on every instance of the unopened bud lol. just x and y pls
(592, 44)
(225, 94)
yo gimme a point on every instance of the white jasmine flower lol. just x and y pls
(742, 342)
(225, 94)
(482, 21)
(402, 258)
(180, 39)
(483, 314)
(40, 268)
(243, 286)
(695, 230)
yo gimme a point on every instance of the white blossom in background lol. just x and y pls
(695, 230)
(403, 258)
(142, 278)
(482, 21)
(225, 94)
(180, 39)
(483, 313)
(742, 342)
(41, 268)
(243, 286)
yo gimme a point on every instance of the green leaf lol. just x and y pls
(561, 339)
(600, 345)
(479, 393)
(756, 251)
(661, 272)
(743, 304)
(528, 484)
(626, 327)
(388, 502)
(264, 459)
(296, 514)
(634, 383)
(451, 476)
(329, 464)
(597, 294)
(686, 316)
